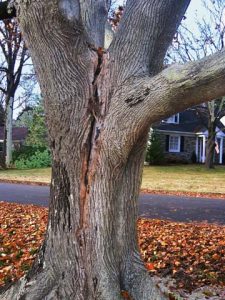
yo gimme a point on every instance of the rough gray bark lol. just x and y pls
(99, 106)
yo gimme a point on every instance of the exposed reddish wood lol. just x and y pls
(84, 192)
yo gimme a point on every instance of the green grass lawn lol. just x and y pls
(188, 178)
(34, 175)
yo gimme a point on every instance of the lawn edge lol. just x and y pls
(39, 183)
(183, 193)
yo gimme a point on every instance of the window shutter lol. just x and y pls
(167, 142)
(182, 144)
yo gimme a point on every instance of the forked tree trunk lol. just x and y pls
(90, 251)
(99, 106)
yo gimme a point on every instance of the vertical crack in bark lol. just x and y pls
(89, 158)
(91, 146)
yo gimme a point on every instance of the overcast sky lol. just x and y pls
(194, 10)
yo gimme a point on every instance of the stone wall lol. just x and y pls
(179, 157)
(185, 155)
(1, 159)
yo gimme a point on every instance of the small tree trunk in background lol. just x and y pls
(8, 129)
(210, 146)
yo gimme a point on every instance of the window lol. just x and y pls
(173, 119)
(174, 143)
(1, 146)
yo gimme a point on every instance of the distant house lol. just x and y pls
(19, 135)
(2, 115)
(183, 137)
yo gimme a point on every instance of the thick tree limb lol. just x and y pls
(150, 99)
(94, 16)
(145, 33)
(183, 86)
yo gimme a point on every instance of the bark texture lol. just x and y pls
(99, 106)
(210, 145)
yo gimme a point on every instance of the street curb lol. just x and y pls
(187, 194)
(142, 191)
(24, 182)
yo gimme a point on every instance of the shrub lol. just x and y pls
(154, 153)
(25, 152)
(193, 157)
(37, 160)
(176, 160)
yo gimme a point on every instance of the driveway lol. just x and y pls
(174, 208)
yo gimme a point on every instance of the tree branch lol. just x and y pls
(94, 15)
(4, 50)
(145, 100)
(3, 69)
(3, 90)
(222, 102)
(144, 35)
(193, 83)
(20, 67)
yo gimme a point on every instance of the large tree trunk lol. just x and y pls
(91, 251)
(210, 145)
(99, 106)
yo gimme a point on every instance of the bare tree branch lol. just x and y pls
(3, 90)
(94, 15)
(20, 67)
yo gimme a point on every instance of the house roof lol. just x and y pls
(18, 133)
(189, 121)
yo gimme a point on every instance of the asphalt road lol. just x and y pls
(150, 206)
(182, 209)
(26, 194)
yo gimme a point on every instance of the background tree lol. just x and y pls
(2, 115)
(33, 118)
(35, 152)
(99, 105)
(154, 152)
(14, 58)
(207, 38)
